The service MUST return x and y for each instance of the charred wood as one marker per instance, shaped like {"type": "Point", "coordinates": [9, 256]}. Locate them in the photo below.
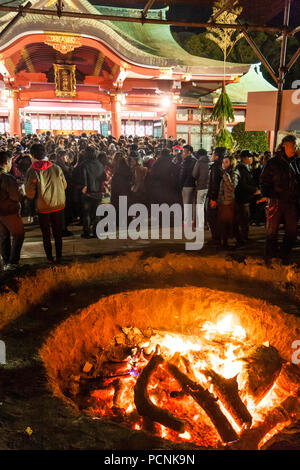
{"type": "Point", "coordinates": [289, 379]}
{"type": "Point", "coordinates": [250, 438]}
{"type": "Point", "coordinates": [208, 402]}
{"type": "Point", "coordinates": [228, 393]}
{"type": "Point", "coordinates": [144, 405]}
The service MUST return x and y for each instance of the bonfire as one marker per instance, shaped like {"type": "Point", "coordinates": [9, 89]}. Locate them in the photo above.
{"type": "Point", "coordinates": [212, 388]}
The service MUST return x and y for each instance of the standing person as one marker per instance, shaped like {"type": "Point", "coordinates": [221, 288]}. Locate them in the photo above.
{"type": "Point", "coordinates": [62, 162]}
{"type": "Point", "coordinates": [215, 176]}
{"type": "Point", "coordinates": [187, 182]}
{"type": "Point", "coordinates": [226, 197]}
{"type": "Point", "coordinates": [162, 181]}
{"type": "Point", "coordinates": [120, 181]}
{"type": "Point", "coordinates": [45, 181]}
{"type": "Point", "coordinates": [244, 194]}
{"type": "Point", "coordinates": [201, 175]}
{"type": "Point", "coordinates": [107, 164]}
{"type": "Point", "coordinates": [11, 224]}
{"type": "Point", "coordinates": [279, 182]}
{"type": "Point", "coordinates": [93, 175]}
{"type": "Point", "coordinates": [139, 173]}
{"type": "Point", "coordinates": [23, 162]}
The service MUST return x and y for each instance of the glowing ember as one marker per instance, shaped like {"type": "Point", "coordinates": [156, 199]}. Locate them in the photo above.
{"type": "Point", "coordinates": [185, 435]}
{"type": "Point", "coordinates": [208, 365]}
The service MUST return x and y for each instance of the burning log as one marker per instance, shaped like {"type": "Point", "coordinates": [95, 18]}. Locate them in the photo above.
{"type": "Point", "coordinates": [281, 415]}
{"type": "Point", "coordinates": [113, 369]}
{"type": "Point", "coordinates": [118, 387]}
{"type": "Point", "coordinates": [178, 394]}
{"type": "Point", "coordinates": [262, 367]}
{"type": "Point", "coordinates": [208, 402]}
{"type": "Point", "coordinates": [144, 405]}
{"type": "Point", "coordinates": [228, 393]}
{"type": "Point", "coordinates": [289, 379]}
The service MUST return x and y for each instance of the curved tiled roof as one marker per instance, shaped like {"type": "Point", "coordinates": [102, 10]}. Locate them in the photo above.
{"type": "Point", "coordinates": [146, 45]}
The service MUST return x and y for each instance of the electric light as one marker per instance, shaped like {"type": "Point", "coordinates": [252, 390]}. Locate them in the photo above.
{"type": "Point", "coordinates": [166, 102]}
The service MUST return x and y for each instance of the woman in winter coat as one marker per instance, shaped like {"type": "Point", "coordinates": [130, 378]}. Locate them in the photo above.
{"type": "Point", "coordinates": [226, 197]}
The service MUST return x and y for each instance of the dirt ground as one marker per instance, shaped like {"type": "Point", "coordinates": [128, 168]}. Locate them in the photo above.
{"type": "Point", "coordinates": [26, 400]}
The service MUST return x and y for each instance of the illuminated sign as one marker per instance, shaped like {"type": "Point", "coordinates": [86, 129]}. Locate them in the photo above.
{"type": "Point", "coordinates": [63, 43]}
{"type": "Point", "coordinates": [65, 80]}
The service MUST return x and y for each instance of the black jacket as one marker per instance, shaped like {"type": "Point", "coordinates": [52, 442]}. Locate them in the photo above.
{"type": "Point", "coordinates": [280, 178]}
{"type": "Point", "coordinates": [246, 188]}
{"type": "Point", "coordinates": [10, 195]}
{"type": "Point", "coordinates": [120, 184]}
{"type": "Point", "coordinates": [162, 181]}
{"type": "Point", "coordinates": [215, 177]}
{"type": "Point", "coordinates": [186, 179]}
{"type": "Point", "coordinates": [201, 172]}
{"type": "Point", "coordinates": [93, 175]}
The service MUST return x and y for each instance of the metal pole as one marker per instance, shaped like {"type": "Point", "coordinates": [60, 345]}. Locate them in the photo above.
{"type": "Point", "coordinates": [15, 19]}
{"type": "Point", "coordinates": [282, 68]}
{"type": "Point", "coordinates": [293, 60]}
{"type": "Point", "coordinates": [261, 56]}
{"type": "Point", "coordinates": [147, 8]}
{"type": "Point", "coordinates": [94, 16]}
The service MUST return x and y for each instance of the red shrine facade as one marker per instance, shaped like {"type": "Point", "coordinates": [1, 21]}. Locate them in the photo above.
{"type": "Point", "coordinates": [73, 75]}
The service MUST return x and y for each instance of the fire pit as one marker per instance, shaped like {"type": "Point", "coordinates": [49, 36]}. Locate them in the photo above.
{"type": "Point", "coordinates": [186, 363]}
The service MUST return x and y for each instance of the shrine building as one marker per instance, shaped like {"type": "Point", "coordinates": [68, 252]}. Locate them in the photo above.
{"type": "Point", "coordinates": [74, 75]}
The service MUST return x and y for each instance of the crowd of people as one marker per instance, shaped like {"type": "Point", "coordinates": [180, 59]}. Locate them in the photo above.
{"type": "Point", "coordinates": [61, 181]}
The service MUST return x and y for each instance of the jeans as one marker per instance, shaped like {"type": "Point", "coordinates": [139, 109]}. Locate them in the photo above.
{"type": "Point", "coordinates": [47, 221]}
{"type": "Point", "coordinates": [11, 226]}
{"type": "Point", "coordinates": [277, 212]}
{"type": "Point", "coordinates": [89, 208]}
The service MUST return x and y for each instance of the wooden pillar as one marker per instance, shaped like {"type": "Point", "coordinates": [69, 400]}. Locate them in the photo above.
{"type": "Point", "coordinates": [116, 128]}
{"type": "Point", "coordinates": [14, 115]}
{"type": "Point", "coordinates": [171, 127]}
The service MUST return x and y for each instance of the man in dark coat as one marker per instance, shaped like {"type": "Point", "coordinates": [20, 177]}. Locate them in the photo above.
{"type": "Point", "coordinates": [244, 193]}
{"type": "Point", "coordinates": [93, 175]}
{"type": "Point", "coordinates": [162, 181]}
{"type": "Point", "coordinates": [279, 182]}
{"type": "Point", "coordinates": [215, 177]}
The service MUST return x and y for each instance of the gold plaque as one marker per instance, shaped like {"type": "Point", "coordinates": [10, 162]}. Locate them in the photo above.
{"type": "Point", "coordinates": [65, 80]}
{"type": "Point", "coordinates": [63, 43]}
